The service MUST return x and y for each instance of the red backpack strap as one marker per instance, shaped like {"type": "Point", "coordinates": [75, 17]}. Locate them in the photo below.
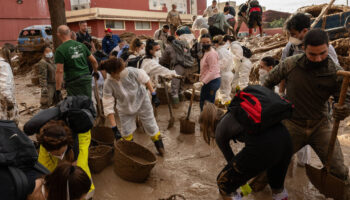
{"type": "Point", "coordinates": [251, 105]}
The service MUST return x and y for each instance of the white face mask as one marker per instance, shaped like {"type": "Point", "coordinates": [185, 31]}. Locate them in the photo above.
{"type": "Point", "coordinates": [49, 55]}
{"type": "Point", "coordinates": [123, 73]}
{"type": "Point", "coordinates": [158, 54]}
{"type": "Point", "coordinates": [295, 41]}
{"type": "Point", "coordinates": [60, 157]}
{"type": "Point", "coordinates": [142, 52]}
{"type": "Point", "coordinates": [262, 75]}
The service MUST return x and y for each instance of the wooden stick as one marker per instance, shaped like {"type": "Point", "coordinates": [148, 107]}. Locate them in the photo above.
{"type": "Point", "coordinates": [323, 12]}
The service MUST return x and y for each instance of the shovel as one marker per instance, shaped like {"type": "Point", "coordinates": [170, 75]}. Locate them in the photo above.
{"type": "Point", "coordinates": [187, 126]}
{"type": "Point", "coordinates": [100, 133]}
{"type": "Point", "coordinates": [172, 119]}
{"type": "Point", "coordinates": [322, 179]}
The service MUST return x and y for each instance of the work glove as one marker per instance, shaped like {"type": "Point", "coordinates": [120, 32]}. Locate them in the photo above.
{"type": "Point", "coordinates": [116, 132]}
{"type": "Point", "coordinates": [57, 97]}
{"type": "Point", "coordinates": [198, 85]}
{"type": "Point", "coordinates": [155, 99]}
{"type": "Point", "coordinates": [96, 75]}
{"type": "Point", "coordinates": [340, 112]}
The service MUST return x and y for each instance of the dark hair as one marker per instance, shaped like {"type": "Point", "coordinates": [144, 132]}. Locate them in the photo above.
{"type": "Point", "coordinates": [226, 9]}
{"type": "Point", "coordinates": [170, 38]}
{"type": "Point", "coordinates": [166, 26]}
{"type": "Point", "coordinates": [67, 179]}
{"type": "Point", "coordinates": [316, 37]}
{"type": "Point", "coordinates": [135, 43]}
{"type": "Point", "coordinates": [88, 45]}
{"type": "Point", "coordinates": [207, 35]}
{"type": "Point", "coordinates": [213, 1]}
{"type": "Point", "coordinates": [82, 22]}
{"type": "Point", "coordinates": [54, 135]}
{"type": "Point", "coordinates": [298, 22]}
{"type": "Point", "coordinates": [150, 43]}
{"type": "Point", "coordinates": [227, 3]}
{"type": "Point", "coordinates": [270, 61]}
{"type": "Point", "coordinates": [247, 52]}
{"type": "Point", "coordinates": [229, 38]}
{"type": "Point", "coordinates": [112, 65]}
{"type": "Point", "coordinates": [45, 47]}
{"type": "Point", "coordinates": [114, 53]}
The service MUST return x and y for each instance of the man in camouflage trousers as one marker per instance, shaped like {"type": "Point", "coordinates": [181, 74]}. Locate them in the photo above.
{"type": "Point", "coordinates": [311, 79]}
{"type": "Point", "coordinates": [47, 78]}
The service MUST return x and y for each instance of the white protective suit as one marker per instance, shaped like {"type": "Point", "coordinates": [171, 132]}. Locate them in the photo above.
{"type": "Point", "coordinates": [154, 70]}
{"type": "Point", "coordinates": [199, 23]}
{"type": "Point", "coordinates": [226, 67]}
{"type": "Point", "coordinates": [132, 100]}
{"type": "Point", "coordinates": [242, 66]}
{"type": "Point", "coordinates": [7, 93]}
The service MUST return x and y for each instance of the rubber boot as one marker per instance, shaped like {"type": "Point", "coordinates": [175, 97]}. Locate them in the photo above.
{"type": "Point", "coordinates": [261, 31]}
{"type": "Point", "coordinates": [158, 142]}
{"type": "Point", "coordinates": [250, 32]}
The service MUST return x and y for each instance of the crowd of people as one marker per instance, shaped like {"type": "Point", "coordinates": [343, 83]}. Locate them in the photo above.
{"type": "Point", "coordinates": [126, 77]}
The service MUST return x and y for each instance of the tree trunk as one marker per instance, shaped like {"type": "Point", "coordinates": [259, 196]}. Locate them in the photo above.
{"type": "Point", "coordinates": [58, 17]}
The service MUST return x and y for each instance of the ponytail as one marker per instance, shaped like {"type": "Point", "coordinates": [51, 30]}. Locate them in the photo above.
{"type": "Point", "coordinates": [67, 182]}
{"type": "Point", "coordinates": [150, 43]}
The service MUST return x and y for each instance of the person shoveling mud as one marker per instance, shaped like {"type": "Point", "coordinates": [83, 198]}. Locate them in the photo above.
{"type": "Point", "coordinates": [268, 145]}
{"type": "Point", "coordinates": [311, 80]}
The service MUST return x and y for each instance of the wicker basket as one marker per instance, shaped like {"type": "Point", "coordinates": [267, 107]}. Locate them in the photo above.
{"type": "Point", "coordinates": [102, 136]}
{"type": "Point", "coordinates": [99, 157]}
{"type": "Point", "coordinates": [133, 162]}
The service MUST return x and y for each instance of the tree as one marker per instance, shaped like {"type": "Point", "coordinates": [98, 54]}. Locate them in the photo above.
{"type": "Point", "coordinates": [58, 17]}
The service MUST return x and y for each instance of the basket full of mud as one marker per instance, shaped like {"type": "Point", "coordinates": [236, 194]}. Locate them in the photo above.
{"type": "Point", "coordinates": [102, 135]}
{"type": "Point", "coordinates": [99, 157]}
{"type": "Point", "coordinates": [133, 162]}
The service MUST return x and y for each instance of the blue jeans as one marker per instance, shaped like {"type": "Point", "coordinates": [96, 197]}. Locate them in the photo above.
{"type": "Point", "coordinates": [208, 92]}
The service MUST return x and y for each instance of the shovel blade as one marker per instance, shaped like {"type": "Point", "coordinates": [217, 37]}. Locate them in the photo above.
{"type": "Point", "coordinates": [171, 122]}
{"type": "Point", "coordinates": [327, 184]}
{"type": "Point", "coordinates": [187, 126]}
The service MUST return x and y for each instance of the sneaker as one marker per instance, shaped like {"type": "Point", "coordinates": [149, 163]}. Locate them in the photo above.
{"type": "Point", "coordinates": [281, 196]}
{"type": "Point", "coordinates": [160, 147]}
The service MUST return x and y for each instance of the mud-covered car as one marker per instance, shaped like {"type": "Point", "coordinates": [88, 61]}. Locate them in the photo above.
{"type": "Point", "coordinates": [34, 38]}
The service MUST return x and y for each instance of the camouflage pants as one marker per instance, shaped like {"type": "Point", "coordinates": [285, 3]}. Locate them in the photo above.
{"type": "Point", "coordinates": [47, 95]}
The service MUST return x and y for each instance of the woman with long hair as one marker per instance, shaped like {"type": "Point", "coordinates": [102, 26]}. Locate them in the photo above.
{"type": "Point", "coordinates": [210, 78]}
{"type": "Point", "coordinates": [66, 182]}
{"type": "Point", "coordinates": [8, 106]}
{"type": "Point", "coordinates": [265, 66]}
{"type": "Point", "coordinates": [268, 150]}
{"type": "Point", "coordinates": [126, 87]}
{"type": "Point", "coordinates": [59, 144]}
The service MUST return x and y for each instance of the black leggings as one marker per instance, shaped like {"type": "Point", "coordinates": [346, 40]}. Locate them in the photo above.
{"type": "Point", "coordinates": [269, 151]}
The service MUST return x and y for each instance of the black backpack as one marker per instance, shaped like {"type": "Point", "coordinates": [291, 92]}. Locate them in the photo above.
{"type": "Point", "coordinates": [135, 62]}
{"type": "Point", "coordinates": [17, 153]}
{"type": "Point", "coordinates": [258, 108]}
{"type": "Point", "coordinates": [247, 52]}
{"type": "Point", "coordinates": [125, 54]}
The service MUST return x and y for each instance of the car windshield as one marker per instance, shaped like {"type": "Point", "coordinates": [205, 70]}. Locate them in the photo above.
{"type": "Point", "coordinates": [30, 33]}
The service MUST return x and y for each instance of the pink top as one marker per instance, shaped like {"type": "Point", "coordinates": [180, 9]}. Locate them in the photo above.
{"type": "Point", "coordinates": [210, 69]}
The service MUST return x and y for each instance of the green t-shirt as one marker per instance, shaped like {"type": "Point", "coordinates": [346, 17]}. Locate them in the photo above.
{"type": "Point", "coordinates": [74, 57]}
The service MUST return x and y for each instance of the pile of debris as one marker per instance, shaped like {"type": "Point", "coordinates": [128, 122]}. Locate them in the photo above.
{"type": "Point", "coordinates": [128, 37]}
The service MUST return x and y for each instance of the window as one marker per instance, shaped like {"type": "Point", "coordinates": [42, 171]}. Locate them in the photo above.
{"type": "Point", "coordinates": [30, 33]}
{"type": "Point", "coordinates": [118, 25]}
{"type": "Point", "coordinates": [48, 31]}
{"type": "Point", "coordinates": [143, 25]}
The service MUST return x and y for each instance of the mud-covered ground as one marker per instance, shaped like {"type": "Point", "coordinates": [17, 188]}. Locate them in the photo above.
{"type": "Point", "coordinates": [189, 167]}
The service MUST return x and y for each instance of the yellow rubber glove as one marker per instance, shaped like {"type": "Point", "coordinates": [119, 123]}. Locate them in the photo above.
{"type": "Point", "coordinates": [246, 189]}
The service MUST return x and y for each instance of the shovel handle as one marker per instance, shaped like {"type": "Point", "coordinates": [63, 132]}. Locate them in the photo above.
{"type": "Point", "coordinates": [190, 107]}
{"type": "Point", "coordinates": [98, 100]}
{"type": "Point", "coordinates": [167, 96]}
{"type": "Point", "coordinates": [343, 91]}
